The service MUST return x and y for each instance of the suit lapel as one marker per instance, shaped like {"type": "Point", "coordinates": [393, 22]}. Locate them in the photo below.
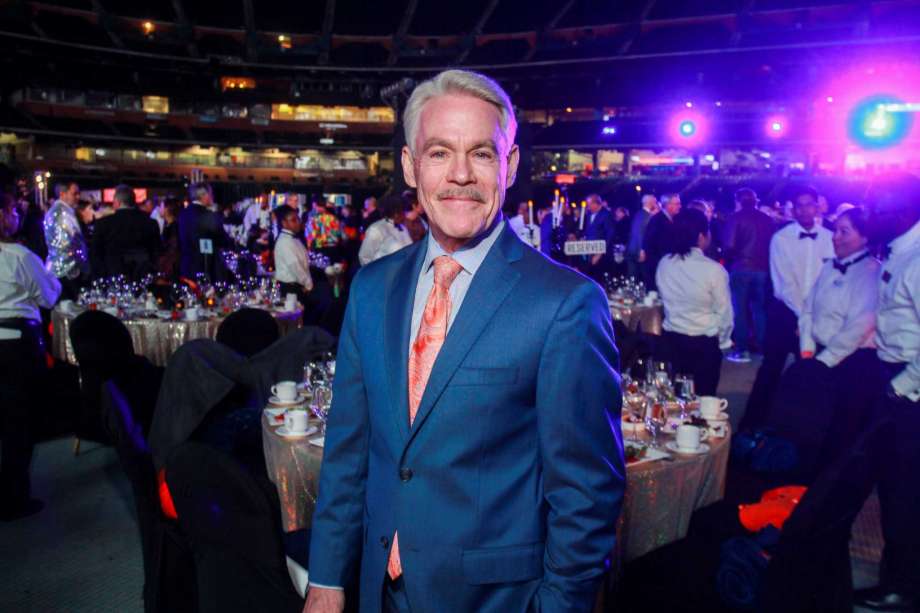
{"type": "Point", "coordinates": [490, 287]}
{"type": "Point", "coordinates": [398, 320]}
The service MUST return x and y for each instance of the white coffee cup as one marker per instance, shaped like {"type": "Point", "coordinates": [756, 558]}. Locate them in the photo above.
{"type": "Point", "coordinates": [191, 314]}
{"type": "Point", "coordinates": [689, 437]}
{"type": "Point", "coordinates": [286, 391]}
{"type": "Point", "coordinates": [296, 420]}
{"type": "Point", "coordinates": [712, 406]}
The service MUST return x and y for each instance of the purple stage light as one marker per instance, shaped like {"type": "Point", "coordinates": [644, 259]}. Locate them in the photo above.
{"type": "Point", "coordinates": [688, 128]}
{"type": "Point", "coordinates": [776, 127]}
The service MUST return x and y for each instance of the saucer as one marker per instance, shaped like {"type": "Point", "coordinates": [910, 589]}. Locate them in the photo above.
{"type": "Point", "coordinates": [283, 431]}
{"type": "Point", "coordinates": [274, 411]}
{"type": "Point", "coordinates": [277, 402]}
{"type": "Point", "coordinates": [672, 446]}
{"type": "Point", "coordinates": [723, 416]}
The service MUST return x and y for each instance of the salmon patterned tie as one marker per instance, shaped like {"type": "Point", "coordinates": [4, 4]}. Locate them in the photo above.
{"type": "Point", "coordinates": [431, 334]}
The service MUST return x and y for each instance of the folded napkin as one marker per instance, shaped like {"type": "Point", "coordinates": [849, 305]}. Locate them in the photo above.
{"type": "Point", "coordinates": [319, 441]}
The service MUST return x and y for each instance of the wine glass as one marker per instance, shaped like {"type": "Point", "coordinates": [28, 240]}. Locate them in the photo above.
{"type": "Point", "coordinates": [655, 419]}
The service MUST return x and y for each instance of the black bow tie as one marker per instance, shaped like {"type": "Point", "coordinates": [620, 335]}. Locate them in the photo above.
{"type": "Point", "coordinates": [843, 267]}
{"type": "Point", "coordinates": [811, 235]}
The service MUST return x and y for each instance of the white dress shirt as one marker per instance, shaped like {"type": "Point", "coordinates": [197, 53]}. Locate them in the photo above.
{"type": "Point", "coordinates": [291, 262]}
{"type": "Point", "coordinates": [382, 238]}
{"type": "Point", "coordinates": [898, 326]}
{"type": "Point", "coordinates": [697, 302]}
{"type": "Point", "coordinates": [528, 233]}
{"type": "Point", "coordinates": [839, 312]}
{"type": "Point", "coordinates": [25, 286]}
{"type": "Point", "coordinates": [795, 262]}
{"type": "Point", "coordinates": [255, 216]}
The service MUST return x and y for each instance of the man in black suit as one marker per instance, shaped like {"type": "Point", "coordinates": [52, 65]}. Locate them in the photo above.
{"type": "Point", "coordinates": [126, 242]}
{"type": "Point", "coordinates": [600, 227]}
{"type": "Point", "coordinates": [197, 222]}
{"type": "Point", "coordinates": [658, 235]}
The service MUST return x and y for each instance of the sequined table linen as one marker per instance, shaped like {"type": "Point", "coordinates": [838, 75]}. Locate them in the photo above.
{"type": "Point", "coordinates": [293, 466]}
{"type": "Point", "coordinates": [156, 339]}
{"type": "Point", "coordinates": [660, 496]}
{"type": "Point", "coordinates": [639, 318]}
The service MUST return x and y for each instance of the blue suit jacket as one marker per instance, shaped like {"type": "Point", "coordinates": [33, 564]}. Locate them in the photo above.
{"type": "Point", "coordinates": [507, 487]}
{"type": "Point", "coordinates": [603, 228]}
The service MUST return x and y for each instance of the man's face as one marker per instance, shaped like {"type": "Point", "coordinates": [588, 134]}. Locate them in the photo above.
{"type": "Point", "coordinates": [206, 198]}
{"type": "Point", "coordinates": [461, 166]}
{"type": "Point", "coordinates": [594, 205]}
{"type": "Point", "coordinates": [805, 209]}
{"type": "Point", "coordinates": [672, 206]}
{"type": "Point", "coordinates": [71, 194]}
{"type": "Point", "coordinates": [292, 223]}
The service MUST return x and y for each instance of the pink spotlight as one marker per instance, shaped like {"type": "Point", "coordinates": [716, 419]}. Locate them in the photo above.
{"type": "Point", "coordinates": [776, 127]}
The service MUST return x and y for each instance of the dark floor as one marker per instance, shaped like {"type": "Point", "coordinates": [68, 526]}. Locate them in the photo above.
{"type": "Point", "coordinates": [82, 553]}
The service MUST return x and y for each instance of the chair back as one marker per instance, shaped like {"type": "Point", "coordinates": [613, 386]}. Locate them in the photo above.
{"type": "Point", "coordinates": [102, 345]}
{"type": "Point", "coordinates": [169, 583]}
{"type": "Point", "coordinates": [234, 523]}
{"type": "Point", "coordinates": [248, 331]}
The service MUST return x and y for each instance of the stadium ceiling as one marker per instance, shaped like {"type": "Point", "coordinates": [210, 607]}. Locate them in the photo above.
{"type": "Point", "coordinates": [547, 49]}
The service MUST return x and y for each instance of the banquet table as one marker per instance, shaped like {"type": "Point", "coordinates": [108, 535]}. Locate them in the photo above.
{"type": "Point", "coordinates": [156, 339]}
{"type": "Point", "coordinates": [660, 495]}
{"type": "Point", "coordinates": [638, 317]}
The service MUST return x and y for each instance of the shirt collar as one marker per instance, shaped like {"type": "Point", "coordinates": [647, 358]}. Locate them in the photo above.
{"type": "Point", "coordinates": [471, 255]}
{"type": "Point", "coordinates": [907, 240]}
{"type": "Point", "coordinates": [801, 228]}
{"type": "Point", "coordinates": [288, 232]}
{"type": "Point", "coordinates": [854, 257]}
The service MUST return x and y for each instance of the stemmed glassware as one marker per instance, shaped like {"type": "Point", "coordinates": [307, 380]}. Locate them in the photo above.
{"type": "Point", "coordinates": [655, 418]}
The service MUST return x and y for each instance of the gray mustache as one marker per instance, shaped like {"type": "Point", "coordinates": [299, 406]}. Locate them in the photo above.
{"type": "Point", "coordinates": [468, 194]}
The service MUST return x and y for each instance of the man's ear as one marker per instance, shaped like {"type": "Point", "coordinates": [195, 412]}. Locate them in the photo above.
{"type": "Point", "coordinates": [514, 157]}
{"type": "Point", "coordinates": [408, 167]}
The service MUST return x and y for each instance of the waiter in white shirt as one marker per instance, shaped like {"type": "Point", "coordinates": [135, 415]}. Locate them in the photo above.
{"type": "Point", "coordinates": [797, 252]}
{"type": "Point", "coordinates": [25, 286]}
{"type": "Point", "coordinates": [896, 204]}
{"type": "Point", "coordinates": [387, 235]}
{"type": "Point", "coordinates": [292, 266]}
{"type": "Point", "coordinates": [837, 329]}
{"type": "Point", "coordinates": [698, 316]}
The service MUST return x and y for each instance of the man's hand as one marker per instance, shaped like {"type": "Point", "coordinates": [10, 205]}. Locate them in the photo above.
{"type": "Point", "coordinates": [324, 600]}
{"type": "Point", "coordinates": [641, 255]}
{"type": "Point", "coordinates": [595, 259]}
{"type": "Point", "coordinates": [807, 355]}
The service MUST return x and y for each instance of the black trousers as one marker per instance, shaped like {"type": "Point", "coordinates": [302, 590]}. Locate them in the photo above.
{"type": "Point", "coordinates": [698, 356]}
{"type": "Point", "coordinates": [781, 340]}
{"type": "Point", "coordinates": [315, 302]}
{"type": "Point", "coordinates": [21, 369]}
{"type": "Point", "coordinates": [898, 490]}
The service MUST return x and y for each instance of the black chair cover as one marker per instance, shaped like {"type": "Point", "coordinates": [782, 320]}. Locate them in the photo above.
{"type": "Point", "coordinates": [169, 570]}
{"type": "Point", "coordinates": [248, 331]}
{"type": "Point", "coordinates": [234, 524]}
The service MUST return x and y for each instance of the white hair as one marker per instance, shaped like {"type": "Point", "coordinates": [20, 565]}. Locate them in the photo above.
{"type": "Point", "coordinates": [459, 82]}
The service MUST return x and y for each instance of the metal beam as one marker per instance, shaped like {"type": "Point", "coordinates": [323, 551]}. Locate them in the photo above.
{"type": "Point", "coordinates": [550, 25]}
{"type": "Point", "coordinates": [106, 24]}
{"type": "Point", "coordinates": [476, 31]}
{"type": "Point", "coordinates": [249, 20]}
{"type": "Point", "coordinates": [326, 35]}
{"type": "Point", "coordinates": [637, 27]}
{"type": "Point", "coordinates": [401, 32]}
{"type": "Point", "coordinates": [183, 20]}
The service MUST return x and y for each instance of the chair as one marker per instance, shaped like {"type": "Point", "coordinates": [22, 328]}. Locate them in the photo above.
{"type": "Point", "coordinates": [248, 331]}
{"type": "Point", "coordinates": [234, 524]}
{"type": "Point", "coordinates": [102, 345]}
{"type": "Point", "coordinates": [169, 570]}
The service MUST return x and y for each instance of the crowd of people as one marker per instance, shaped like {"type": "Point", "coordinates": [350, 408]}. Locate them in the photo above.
{"type": "Point", "coordinates": [839, 294]}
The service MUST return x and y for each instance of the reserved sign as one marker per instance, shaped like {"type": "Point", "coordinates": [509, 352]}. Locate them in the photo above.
{"type": "Point", "coordinates": [585, 247]}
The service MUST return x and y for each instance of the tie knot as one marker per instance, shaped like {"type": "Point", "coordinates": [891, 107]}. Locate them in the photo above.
{"type": "Point", "coordinates": [446, 270]}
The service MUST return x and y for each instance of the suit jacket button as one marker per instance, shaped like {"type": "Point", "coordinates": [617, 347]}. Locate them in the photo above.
{"type": "Point", "coordinates": [405, 474]}
{"type": "Point", "coordinates": [385, 542]}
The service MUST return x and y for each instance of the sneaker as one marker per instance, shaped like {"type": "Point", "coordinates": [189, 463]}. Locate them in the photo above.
{"type": "Point", "coordinates": [740, 357]}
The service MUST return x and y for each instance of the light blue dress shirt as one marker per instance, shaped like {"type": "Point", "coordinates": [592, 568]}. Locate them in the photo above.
{"type": "Point", "coordinates": [470, 257]}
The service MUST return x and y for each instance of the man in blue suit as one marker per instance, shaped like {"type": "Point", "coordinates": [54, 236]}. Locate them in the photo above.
{"type": "Point", "coordinates": [600, 227]}
{"type": "Point", "coordinates": [473, 455]}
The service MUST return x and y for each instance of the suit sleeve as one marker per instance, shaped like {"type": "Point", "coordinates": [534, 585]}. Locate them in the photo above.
{"type": "Point", "coordinates": [338, 522]}
{"type": "Point", "coordinates": [581, 446]}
